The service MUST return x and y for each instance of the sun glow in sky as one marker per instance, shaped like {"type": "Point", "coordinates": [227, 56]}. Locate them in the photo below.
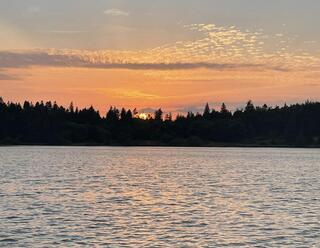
{"type": "Point", "coordinates": [143, 116]}
{"type": "Point", "coordinates": [171, 54]}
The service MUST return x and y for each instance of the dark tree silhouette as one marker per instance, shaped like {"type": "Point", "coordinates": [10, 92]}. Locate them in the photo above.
{"type": "Point", "coordinates": [129, 115]}
{"type": "Point", "coordinates": [123, 114]}
{"type": "Point", "coordinates": [224, 109]}
{"type": "Point", "coordinates": [206, 112]}
{"type": "Point", "coordinates": [113, 114]}
{"type": "Point", "coordinates": [158, 115]}
{"type": "Point", "coordinates": [71, 108]}
{"type": "Point", "coordinates": [50, 124]}
{"type": "Point", "coordinates": [249, 107]}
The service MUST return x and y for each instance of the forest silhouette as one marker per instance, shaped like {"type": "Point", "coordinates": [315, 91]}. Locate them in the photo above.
{"type": "Point", "coordinates": [48, 123]}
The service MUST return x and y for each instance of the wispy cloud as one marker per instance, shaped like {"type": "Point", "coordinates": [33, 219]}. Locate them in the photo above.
{"type": "Point", "coordinates": [217, 48]}
{"type": "Point", "coordinates": [8, 77]}
{"type": "Point", "coordinates": [64, 58]}
{"type": "Point", "coordinates": [147, 110]}
{"type": "Point", "coordinates": [134, 94]}
{"type": "Point", "coordinates": [116, 12]}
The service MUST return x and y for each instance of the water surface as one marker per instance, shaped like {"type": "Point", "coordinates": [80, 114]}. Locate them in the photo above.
{"type": "Point", "coordinates": [159, 197]}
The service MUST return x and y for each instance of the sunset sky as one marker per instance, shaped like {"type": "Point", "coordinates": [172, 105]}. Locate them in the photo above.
{"type": "Point", "coordinates": [172, 54]}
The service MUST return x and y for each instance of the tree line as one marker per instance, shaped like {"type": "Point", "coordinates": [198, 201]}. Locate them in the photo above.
{"type": "Point", "coordinates": [47, 123]}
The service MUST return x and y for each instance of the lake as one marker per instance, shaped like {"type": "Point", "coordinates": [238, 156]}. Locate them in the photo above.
{"type": "Point", "coordinates": [159, 197]}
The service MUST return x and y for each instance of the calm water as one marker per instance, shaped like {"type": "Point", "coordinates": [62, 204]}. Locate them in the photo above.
{"type": "Point", "coordinates": [159, 197]}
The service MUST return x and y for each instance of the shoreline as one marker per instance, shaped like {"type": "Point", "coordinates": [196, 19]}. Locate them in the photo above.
{"type": "Point", "coordinates": [166, 146]}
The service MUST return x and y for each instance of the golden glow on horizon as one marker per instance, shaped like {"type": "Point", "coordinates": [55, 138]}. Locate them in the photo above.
{"type": "Point", "coordinates": [222, 64]}
{"type": "Point", "coordinates": [143, 116]}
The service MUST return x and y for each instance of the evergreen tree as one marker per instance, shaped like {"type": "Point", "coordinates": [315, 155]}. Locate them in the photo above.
{"type": "Point", "coordinates": [250, 107]}
{"type": "Point", "coordinates": [47, 123]}
{"type": "Point", "coordinates": [206, 112]}
{"type": "Point", "coordinates": [71, 108]}
{"type": "Point", "coordinates": [224, 109]}
{"type": "Point", "coordinates": [158, 115]}
{"type": "Point", "coordinates": [112, 114]}
{"type": "Point", "coordinates": [123, 114]}
{"type": "Point", "coordinates": [129, 115]}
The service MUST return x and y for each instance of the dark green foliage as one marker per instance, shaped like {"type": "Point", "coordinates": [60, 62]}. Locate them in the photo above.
{"type": "Point", "coordinates": [51, 124]}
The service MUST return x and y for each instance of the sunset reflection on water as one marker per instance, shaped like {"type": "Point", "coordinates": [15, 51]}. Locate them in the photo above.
{"type": "Point", "coordinates": [155, 197]}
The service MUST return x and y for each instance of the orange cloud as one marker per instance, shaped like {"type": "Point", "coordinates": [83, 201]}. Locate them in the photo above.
{"type": "Point", "coordinates": [217, 48]}
{"type": "Point", "coordinates": [221, 64]}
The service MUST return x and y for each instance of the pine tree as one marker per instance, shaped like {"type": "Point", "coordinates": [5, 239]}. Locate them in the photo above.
{"type": "Point", "coordinates": [158, 115]}
{"type": "Point", "coordinates": [129, 115]}
{"type": "Point", "coordinates": [224, 109]}
{"type": "Point", "coordinates": [250, 107]}
{"type": "Point", "coordinates": [206, 112]}
{"type": "Point", "coordinates": [123, 114]}
{"type": "Point", "coordinates": [71, 108]}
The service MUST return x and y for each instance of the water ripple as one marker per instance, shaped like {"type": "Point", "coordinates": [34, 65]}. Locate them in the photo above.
{"type": "Point", "coordinates": [159, 197]}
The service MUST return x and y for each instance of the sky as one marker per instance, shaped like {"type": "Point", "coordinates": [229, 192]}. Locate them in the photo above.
{"type": "Point", "coordinates": [173, 54]}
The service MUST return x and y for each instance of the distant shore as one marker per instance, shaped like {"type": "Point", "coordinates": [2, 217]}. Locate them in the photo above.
{"type": "Point", "coordinates": [47, 123]}
{"type": "Point", "coordinates": [148, 144]}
